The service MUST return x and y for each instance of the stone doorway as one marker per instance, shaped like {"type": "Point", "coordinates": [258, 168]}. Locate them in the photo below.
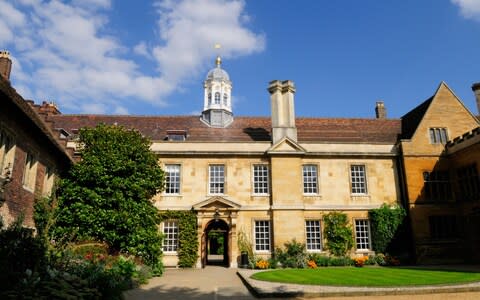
{"type": "Point", "coordinates": [216, 238]}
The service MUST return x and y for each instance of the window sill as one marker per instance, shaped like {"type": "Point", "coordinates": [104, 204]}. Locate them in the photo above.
{"type": "Point", "coordinates": [170, 253]}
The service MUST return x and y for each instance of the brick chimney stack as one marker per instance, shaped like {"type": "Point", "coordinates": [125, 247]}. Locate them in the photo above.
{"type": "Point", "coordinates": [283, 111]}
{"type": "Point", "coordinates": [476, 90]}
{"type": "Point", "coordinates": [5, 64]}
{"type": "Point", "coordinates": [49, 108]}
{"type": "Point", "coordinates": [380, 110]}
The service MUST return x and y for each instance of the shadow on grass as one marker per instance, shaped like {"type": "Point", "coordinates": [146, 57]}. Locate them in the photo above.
{"type": "Point", "coordinates": [443, 268]}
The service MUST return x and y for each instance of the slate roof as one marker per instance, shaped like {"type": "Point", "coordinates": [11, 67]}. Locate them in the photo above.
{"type": "Point", "coordinates": [412, 119]}
{"type": "Point", "coordinates": [243, 129]}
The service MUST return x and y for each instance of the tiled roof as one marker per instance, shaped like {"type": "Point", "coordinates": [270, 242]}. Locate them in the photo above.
{"type": "Point", "coordinates": [10, 95]}
{"type": "Point", "coordinates": [243, 129]}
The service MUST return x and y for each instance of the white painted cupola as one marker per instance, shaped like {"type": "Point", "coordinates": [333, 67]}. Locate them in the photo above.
{"type": "Point", "coordinates": [217, 107]}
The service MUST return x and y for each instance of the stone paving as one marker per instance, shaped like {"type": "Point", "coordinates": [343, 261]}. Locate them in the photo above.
{"type": "Point", "coordinates": [215, 282]}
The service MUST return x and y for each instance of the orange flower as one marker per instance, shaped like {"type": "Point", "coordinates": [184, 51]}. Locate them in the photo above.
{"type": "Point", "coordinates": [311, 264]}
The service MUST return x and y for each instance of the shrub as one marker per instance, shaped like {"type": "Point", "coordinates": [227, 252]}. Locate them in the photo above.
{"type": "Point", "coordinates": [341, 261]}
{"type": "Point", "coordinates": [385, 222]}
{"type": "Point", "coordinates": [338, 233]}
{"type": "Point", "coordinates": [294, 255]}
{"type": "Point", "coordinates": [320, 260]}
{"type": "Point", "coordinates": [20, 251]}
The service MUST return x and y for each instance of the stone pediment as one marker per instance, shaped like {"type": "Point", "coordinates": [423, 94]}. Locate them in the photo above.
{"type": "Point", "coordinates": [216, 202]}
{"type": "Point", "coordinates": [286, 146]}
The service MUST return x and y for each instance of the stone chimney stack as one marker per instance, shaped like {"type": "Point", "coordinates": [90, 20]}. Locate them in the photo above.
{"type": "Point", "coordinates": [48, 108]}
{"type": "Point", "coordinates": [476, 90]}
{"type": "Point", "coordinates": [380, 110]}
{"type": "Point", "coordinates": [283, 112]}
{"type": "Point", "coordinates": [5, 64]}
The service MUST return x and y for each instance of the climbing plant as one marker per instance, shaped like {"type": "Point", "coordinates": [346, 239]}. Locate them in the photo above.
{"type": "Point", "coordinates": [338, 233]}
{"type": "Point", "coordinates": [187, 236]}
{"type": "Point", "coordinates": [385, 221]}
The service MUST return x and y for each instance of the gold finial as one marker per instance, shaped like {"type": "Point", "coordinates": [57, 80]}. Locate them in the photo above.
{"type": "Point", "coordinates": [218, 60]}
{"type": "Point", "coordinates": [4, 54]}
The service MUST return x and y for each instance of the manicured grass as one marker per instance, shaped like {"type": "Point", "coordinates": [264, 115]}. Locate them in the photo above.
{"type": "Point", "coordinates": [368, 276]}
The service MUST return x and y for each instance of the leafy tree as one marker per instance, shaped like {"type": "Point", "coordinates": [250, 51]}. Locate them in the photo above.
{"type": "Point", "coordinates": [338, 233]}
{"type": "Point", "coordinates": [106, 196]}
{"type": "Point", "coordinates": [385, 222]}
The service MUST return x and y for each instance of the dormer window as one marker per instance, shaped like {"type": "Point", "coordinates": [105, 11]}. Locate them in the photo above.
{"type": "Point", "coordinates": [176, 135]}
{"type": "Point", "coordinates": [217, 98]}
{"type": "Point", "coordinates": [63, 133]}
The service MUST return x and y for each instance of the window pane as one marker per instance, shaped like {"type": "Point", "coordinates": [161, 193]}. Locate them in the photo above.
{"type": "Point", "coordinates": [260, 179]}
{"type": "Point", "coordinates": [172, 179]}
{"type": "Point", "coordinates": [358, 179]}
{"type": "Point", "coordinates": [170, 239]}
{"type": "Point", "coordinates": [310, 182]}
{"type": "Point", "coordinates": [217, 179]}
{"type": "Point", "coordinates": [362, 234]}
{"type": "Point", "coordinates": [314, 235]}
{"type": "Point", "coordinates": [262, 235]}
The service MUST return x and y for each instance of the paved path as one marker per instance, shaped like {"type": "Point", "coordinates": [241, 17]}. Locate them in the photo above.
{"type": "Point", "coordinates": [213, 282]}
{"type": "Point", "coordinates": [221, 283]}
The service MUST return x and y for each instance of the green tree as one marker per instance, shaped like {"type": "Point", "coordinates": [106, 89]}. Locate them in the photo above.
{"type": "Point", "coordinates": [338, 233]}
{"type": "Point", "coordinates": [385, 223]}
{"type": "Point", "coordinates": [107, 195]}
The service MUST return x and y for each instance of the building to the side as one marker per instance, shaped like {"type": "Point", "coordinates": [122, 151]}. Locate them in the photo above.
{"type": "Point", "coordinates": [30, 154]}
{"type": "Point", "coordinates": [273, 178]}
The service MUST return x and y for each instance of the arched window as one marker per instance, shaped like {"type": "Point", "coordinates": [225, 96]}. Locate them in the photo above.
{"type": "Point", "coordinates": [217, 98]}
{"type": "Point", "coordinates": [225, 99]}
{"type": "Point", "coordinates": [209, 98]}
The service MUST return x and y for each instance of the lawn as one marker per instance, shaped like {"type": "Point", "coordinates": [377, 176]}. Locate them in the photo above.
{"type": "Point", "coordinates": [368, 276]}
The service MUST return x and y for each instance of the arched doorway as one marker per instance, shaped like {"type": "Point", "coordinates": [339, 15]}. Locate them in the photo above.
{"type": "Point", "coordinates": [216, 238]}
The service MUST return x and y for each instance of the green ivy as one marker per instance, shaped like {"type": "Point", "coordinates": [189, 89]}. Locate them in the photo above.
{"type": "Point", "coordinates": [385, 221]}
{"type": "Point", "coordinates": [187, 236]}
{"type": "Point", "coordinates": [338, 233]}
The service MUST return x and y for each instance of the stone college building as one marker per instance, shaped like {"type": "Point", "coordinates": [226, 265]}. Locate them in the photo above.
{"type": "Point", "coordinates": [273, 178]}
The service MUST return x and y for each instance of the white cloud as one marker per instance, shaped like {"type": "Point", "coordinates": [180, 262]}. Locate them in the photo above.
{"type": "Point", "coordinates": [72, 57]}
{"type": "Point", "coordinates": [469, 9]}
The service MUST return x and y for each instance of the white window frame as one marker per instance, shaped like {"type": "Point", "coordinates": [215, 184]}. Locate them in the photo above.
{"type": "Point", "coordinates": [358, 179]}
{"type": "Point", "coordinates": [313, 235]}
{"type": "Point", "coordinates": [30, 172]}
{"type": "Point", "coordinates": [262, 234]}
{"type": "Point", "coordinates": [438, 135]}
{"type": "Point", "coordinates": [362, 235]}
{"type": "Point", "coordinates": [260, 179]}
{"type": "Point", "coordinates": [170, 236]}
{"type": "Point", "coordinates": [216, 179]}
{"type": "Point", "coordinates": [217, 98]}
{"type": "Point", "coordinates": [173, 173]}
{"type": "Point", "coordinates": [310, 179]}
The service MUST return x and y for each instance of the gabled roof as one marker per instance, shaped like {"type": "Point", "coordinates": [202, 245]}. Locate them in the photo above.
{"type": "Point", "coordinates": [244, 129]}
{"type": "Point", "coordinates": [412, 119]}
{"type": "Point", "coordinates": [12, 97]}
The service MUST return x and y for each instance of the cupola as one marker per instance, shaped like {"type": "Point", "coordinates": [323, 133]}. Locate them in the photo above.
{"type": "Point", "coordinates": [217, 104]}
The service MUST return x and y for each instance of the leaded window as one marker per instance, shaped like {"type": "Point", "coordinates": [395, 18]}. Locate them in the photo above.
{"type": "Point", "coordinates": [170, 236]}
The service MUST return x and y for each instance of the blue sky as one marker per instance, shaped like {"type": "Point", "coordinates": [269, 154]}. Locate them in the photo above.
{"type": "Point", "coordinates": [151, 57]}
